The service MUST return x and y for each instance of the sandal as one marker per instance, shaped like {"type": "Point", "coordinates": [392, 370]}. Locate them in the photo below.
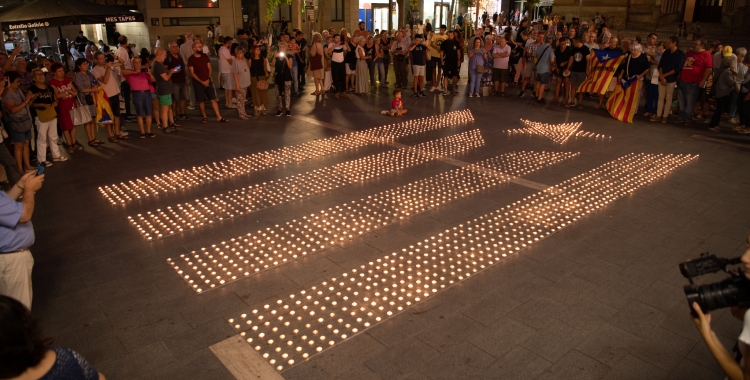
{"type": "Point", "coordinates": [150, 135]}
{"type": "Point", "coordinates": [93, 144]}
{"type": "Point", "coordinates": [77, 146]}
{"type": "Point", "coordinates": [70, 149]}
{"type": "Point", "coordinates": [263, 112]}
{"type": "Point", "coordinates": [121, 137]}
{"type": "Point", "coordinates": [143, 135]}
{"type": "Point", "coordinates": [205, 120]}
{"type": "Point", "coordinates": [113, 139]}
{"type": "Point", "coordinates": [223, 120]}
{"type": "Point", "coordinates": [176, 125]}
{"type": "Point", "coordinates": [100, 142]}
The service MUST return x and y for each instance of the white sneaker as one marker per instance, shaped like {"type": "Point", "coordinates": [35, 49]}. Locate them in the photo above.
{"type": "Point", "coordinates": [190, 107]}
{"type": "Point", "coordinates": [471, 95]}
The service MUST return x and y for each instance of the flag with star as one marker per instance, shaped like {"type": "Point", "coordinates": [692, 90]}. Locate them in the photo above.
{"type": "Point", "coordinates": [602, 70]}
{"type": "Point", "coordinates": [623, 102]}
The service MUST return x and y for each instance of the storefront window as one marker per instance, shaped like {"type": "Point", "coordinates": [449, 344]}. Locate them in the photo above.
{"type": "Point", "coordinates": [189, 21]}
{"type": "Point", "coordinates": [189, 3]}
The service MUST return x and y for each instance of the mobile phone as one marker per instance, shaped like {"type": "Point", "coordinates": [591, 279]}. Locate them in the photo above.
{"type": "Point", "coordinates": [40, 169]}
{"type": "Point", "coordinates": [281, 54]}
{"type": "Point", "coordinates": [177, 68]}
{"type": "Point", "coordinates": [144, 70]}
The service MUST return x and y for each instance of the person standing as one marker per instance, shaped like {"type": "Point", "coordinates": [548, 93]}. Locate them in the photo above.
{"type": "Point", "coordinates": [371, 51]}
{"type": "Point", "coordinates": [399, 49]}
{"type": "Point", "coordinates": [200, 72]}
{"type": "Point", "coordinates": [302, 52]}
{"type": "Point", "coordinates": [140, 84]}
{"type": "Point", "coordinates": [45, 119]}
{"type": "Point", "coordinates": [531, 46]}
{"type": "Point", "coordinates": [15, 106]}
{"type": "Point", "coordinates": [361, 71]}
{"type": "Point", "coordinates": [87, 86]}
{"type": "Point", "coordinates": [164, 89]}
{"type": "Point", "coordinates": [316, 63]}
{"type": "Point", "coordinates": [435, 60]}
{"type": "Point", "coordinates": [179, 80]}
{"type": "Point", "coordinates": [186, 50]}
{"type": "Point", "coordinates": [579, 70]}
{"type": "Point", "coordinates": [241, 77]}
{"type": "Point", "coordinates": [81, 42]}
{"type": "Point", "coordinates": [106, 74]}
{"type": "Point", "coordinates": [451, 56]}
{"type": "Point", "coordinates": [563, 60]}
{"type": "Point", "coordinates": [477, 56]}
{"type": "Point", "coordinates": [545, 58]}
{"type": "Point", "coordinates": [65, 93]}
{"type": "Point", "coordinates": [282, 62]}
{"type": "Point", "coordinates": [500, 61]}
{"type": "Point", "coordinates": [258, 72]}
{"type": "Point", "coordinates": [337, 50]}
{"type": "Point", "coordinates": [726, 79]}
{"type": "Point", "coordinates": [225, 70]}
{"type": "Point", "coordinates": [418, 59]}
{"type": "Point", "coordinates": [385, 48]}
{"type": "Point", "coordinates": [123, 56]}
{"type": "Point", "coordinates": [694, 75]}
{"type": "Point", "coordinates": [17, 234]}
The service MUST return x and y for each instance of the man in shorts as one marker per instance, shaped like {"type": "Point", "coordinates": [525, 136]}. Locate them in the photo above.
{"type": "Point", "coordinates": [451, 55]}
{"type": "Point", "coordinates": [435, 62]}
{"type": "Point", "coordinates": [200, 71]}
{"type": "Point", "coordinates": [500, 60]}
{"type": "Point", "coordinates": [579, 70]}
{"type": "Point", "coordinates": [225, 70]}
{"type": "Point", "coordinates": [164, 88]}
{"type": "Point", "coordinates": [528, 72]}
{"type": "Point", "coordinates": [179, 81]}
{"type": "Point", "coordinates": [545, 59]}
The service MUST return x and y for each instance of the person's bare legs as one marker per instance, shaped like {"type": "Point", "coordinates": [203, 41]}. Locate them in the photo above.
{"type": "Point", "coordinates": [215, 106]}
{"type": "Point", "coordinates": [140, 123]}
{"type": "Point", "coordinates": [90, 128]}
{"type": "Point", "coordinates": [202, 106]}
{"type": "Point", "coordinates": [164, 111]}
{"type": "Point", "coordinates": [228, 94]}
{"type": "Point", "coordinates": [148, 124]}
{"type": "Point", "coordinates": [26, 162]}
{"type": "Point", "coordinates": [18, 155]}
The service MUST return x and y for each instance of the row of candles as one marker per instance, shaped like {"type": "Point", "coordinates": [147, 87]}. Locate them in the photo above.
{"type": "Point", "coordinates": [243, 256]}
{"type": "Point", "coordinates": [124, 192]}
{"type": "Point", "coordinates": [558, 133]}
{"type": "Point", "coordinates": [293, 329]}
{"type": "Point", "coordinates": [182, 217]}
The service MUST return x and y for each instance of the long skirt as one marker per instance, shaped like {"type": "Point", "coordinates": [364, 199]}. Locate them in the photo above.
{"type": "Point", "coordinates": [363, 75]}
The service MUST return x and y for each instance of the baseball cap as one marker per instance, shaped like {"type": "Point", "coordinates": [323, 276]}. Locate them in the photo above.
{"type": "Point", "coordinates": [727, 51]}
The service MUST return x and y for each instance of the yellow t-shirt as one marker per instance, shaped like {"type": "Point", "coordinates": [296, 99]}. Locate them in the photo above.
{"type": "Point", "coordinates": [435, 43]}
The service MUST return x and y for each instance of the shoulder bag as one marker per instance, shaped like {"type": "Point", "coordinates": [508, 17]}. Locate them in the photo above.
{"type": "Point", "coordinates": [47, 114]}
{"type": "Point", "coordinates": [21, 120]}
{"type": "Point", "coordinates": [80, 114]}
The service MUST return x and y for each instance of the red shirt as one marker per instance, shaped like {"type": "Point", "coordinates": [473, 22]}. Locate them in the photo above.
{"type": "Point", "coordinates": [200, 66]}
{"type": "Point", "coordinates": [695, 66]}
{"type": "Point", "coordinates": [397, 103]}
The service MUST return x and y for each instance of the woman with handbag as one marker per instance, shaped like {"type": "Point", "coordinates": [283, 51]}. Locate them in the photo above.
{"type": "Point", "coordinates": [316, 63]}
{"type": "Point", "coordinates": [65, 93]}
{"type": "Point", "coordinates": [477, 57]}
{"type": "Point", "coordinates": [18, 117]}
{"type": "Point", "coordinates": [282, 63]}
{"type": "Point", "coordinates": [45, 119]}
{"type": "Point", "coordinates": [86, 85]}
{"type": "Point", "coordinates": [258, 80]}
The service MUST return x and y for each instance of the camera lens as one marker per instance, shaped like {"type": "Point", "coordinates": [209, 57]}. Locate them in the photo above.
{"type": "Point", "coordinates": [734, 291]}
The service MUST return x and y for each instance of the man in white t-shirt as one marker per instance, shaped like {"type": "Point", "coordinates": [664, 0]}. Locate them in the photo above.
{"type": "Point", "coordinates": [107, 74]}
{"type": "Point", "coordinates": [721, 354]}
{"type": "Point", "coordinates": [123, 58]}
{"type": "Point", "coordinates": [226, 62]}
{"type": "Point", "coordinates": [500, 60]}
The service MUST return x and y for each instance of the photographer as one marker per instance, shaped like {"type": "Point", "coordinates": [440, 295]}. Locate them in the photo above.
{"type": "Point", "coordinates": [702, 321]}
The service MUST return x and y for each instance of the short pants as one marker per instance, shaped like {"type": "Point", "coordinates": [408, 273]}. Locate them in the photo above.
{"type": "Point", "coordinates": [576, 78]}
{"type": "Point", "coordinates": [142, 103]}
{"type": "Point", "coordinates": [543, 78]}
{"type": "Point", "coordinates": [19, 137]}
{"type": "Point", "coordinates": [499, 75]}
{"type": "Point", "coordinates": [165, 100]}
{"type": "Point", "coordinates": [417, 70]}
{"type": "Point", "coordinates": [204, 93]}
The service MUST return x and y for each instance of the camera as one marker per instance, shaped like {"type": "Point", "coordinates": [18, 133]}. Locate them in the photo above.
{"type": "Point", "coordinates": [734, 291]}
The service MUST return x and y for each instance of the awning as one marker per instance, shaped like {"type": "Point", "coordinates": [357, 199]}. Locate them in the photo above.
{"type": "Point", "coordinates": [54, 13]}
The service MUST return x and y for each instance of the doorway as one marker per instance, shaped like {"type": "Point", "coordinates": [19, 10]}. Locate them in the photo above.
{"type": "Point", "coordinates": [380, 17]}
{"type": "Point", "coordinates": [441, 15]}
{"type": "Point", "coordinates": [708, 10]}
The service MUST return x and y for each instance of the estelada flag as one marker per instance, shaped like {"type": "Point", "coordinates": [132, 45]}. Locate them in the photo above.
{"type": "Point", "coordinates": [623, 102]}
{"type": "Point", "coordinates": [103, 110]}
{"type": "Point", "coordinates": [602, 70]}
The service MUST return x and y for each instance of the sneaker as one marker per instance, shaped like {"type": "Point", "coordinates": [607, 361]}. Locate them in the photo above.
{"type": "Point", "coordinates": [288, 113]}
{"type": "Point", "coordinates": [521, 94]}
{"type": "Point", "coordinates": [446, 93]}
{"type": "Point", "coordinates": [422, 94]}
{"type": "Point", "coordinates": [279, 113]}
{"type": "Point", "coordinates": [541, 101]}
{"type": "Point", "coordinates": [471, 95]}
{"type": "Point", "coordinates": [573, 104]}
{"type": "Point", "coordinates": [190, 107]}
{"type": "Point", "coordinates": [416, 95]}
{"type": "Point", "coordinates": [477, 95]}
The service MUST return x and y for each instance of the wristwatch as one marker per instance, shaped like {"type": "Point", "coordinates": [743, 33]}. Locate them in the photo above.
{"type": "Point", "coordinates": [18, 185]}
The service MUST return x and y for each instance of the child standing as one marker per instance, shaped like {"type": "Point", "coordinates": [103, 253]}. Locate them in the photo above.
{"type": "Point", "coordinates": [418, 62]}
{"type": "Point", "coordinates": [397, 105]}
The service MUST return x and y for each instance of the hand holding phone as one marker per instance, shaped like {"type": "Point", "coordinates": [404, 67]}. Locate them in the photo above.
{"type": "Point", "coordinates": [178, 68]}
{"type": "Point", "coordinates": [40, 169]}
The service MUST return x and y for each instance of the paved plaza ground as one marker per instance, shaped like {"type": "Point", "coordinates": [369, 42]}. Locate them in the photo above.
{"type": "Point", "coordinates": [600, 299]}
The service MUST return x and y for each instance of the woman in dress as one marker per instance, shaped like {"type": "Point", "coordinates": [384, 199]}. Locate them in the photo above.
{"type": "Point", "coordinates": [86, 85]}
{"type": "Point", "coordinates": [316, 63]}
{"type": "Point", "coordinates": [361, 70]}
{"type": "Point", "coordinates": [65, 93]}
{"type": "Point", "coordinates": [372, 55]}
{"type": "Point", "coordinates": [258, 72]}
{"type": "Point", "coordinates": [487, 75]}
{"type": "Point", "coordinates": [15, 106]}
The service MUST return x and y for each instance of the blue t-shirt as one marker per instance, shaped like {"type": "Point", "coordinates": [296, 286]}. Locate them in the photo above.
{"type": "Point", "coordinates": [13, 235]}
{"type": "Point", "coordinates": [70, 365]}
{"type": "Point", "coordinates": [544, 53]}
